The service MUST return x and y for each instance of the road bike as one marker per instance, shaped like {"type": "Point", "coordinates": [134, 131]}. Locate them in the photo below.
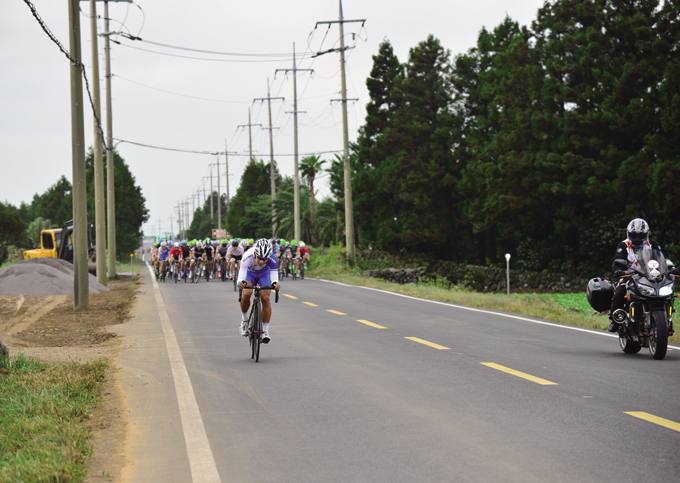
{"type": "Point", "coordinates": [293, 268]}
{"type": "Point", "coordinates": [254, 327]}
{"type": "Point", "coordinates": [223, 269]}
{"type": "Point", "coordinates": [303, 267]}
{"type": "Point", "coordinates": [196, 275]}
{"type": "Point", "coordinates": [174, 270]}
{"type": "Point", "coordinates": [237, 266]}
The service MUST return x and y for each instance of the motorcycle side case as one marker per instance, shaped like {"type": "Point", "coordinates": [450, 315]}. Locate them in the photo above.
{"type": "Point", "coordinates": [600, 293]}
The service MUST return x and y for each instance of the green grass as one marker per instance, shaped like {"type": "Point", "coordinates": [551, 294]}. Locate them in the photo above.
{"type": "Point", "coordinates": [43, 409]}
{"type": "Point", "coordinates": [126, 266]}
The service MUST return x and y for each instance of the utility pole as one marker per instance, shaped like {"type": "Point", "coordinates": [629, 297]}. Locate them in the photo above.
{"type": "Point", "coordinates": [212, 213]}
{"type": "Point", "coordinates": [349, 215]}
{"type": "Point", "coordinates": [296, 180]}
{"type": "Point", "coordinates": [272, 174]}
{"type": "Point", "coordinates": [250, 136]}
{"type": "Point", "coordinates": [226, 166]}
{"type": "Point", "coordinates": [110, 182]}
{"type": "Point", "coordinates": [99, 192]}
{"type": "Point", "coordinates": [160, 234]}
{"type": "Point", "coordinates": [81, 286]}
{"type": "Point", "coordinates": [219, 201]}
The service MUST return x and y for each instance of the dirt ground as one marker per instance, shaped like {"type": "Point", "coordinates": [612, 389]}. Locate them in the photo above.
{"type": "Point", "coordinates": [49, 329]}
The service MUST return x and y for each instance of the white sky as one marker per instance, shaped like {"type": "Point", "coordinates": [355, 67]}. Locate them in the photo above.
{"type": "Point", "coordinates": [35, 95]}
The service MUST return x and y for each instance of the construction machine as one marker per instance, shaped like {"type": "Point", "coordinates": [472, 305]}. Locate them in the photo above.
{"type": "Point", "coordinates": [58, 243]}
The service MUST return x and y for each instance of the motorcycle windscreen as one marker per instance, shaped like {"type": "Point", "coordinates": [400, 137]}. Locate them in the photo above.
{"type": "Point", "coordinates": [652, 263]}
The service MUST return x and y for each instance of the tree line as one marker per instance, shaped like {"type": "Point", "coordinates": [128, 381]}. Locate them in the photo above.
{"type": "Point", "coordinates": [542, 140]}
{"type": "Point", "coordinates": [20, 226]}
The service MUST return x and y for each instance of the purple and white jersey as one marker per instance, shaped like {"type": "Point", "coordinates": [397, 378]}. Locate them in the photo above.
{"type": "Point", "coordinates": [249, 264]}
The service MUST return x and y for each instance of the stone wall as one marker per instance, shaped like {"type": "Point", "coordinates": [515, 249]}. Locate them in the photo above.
{"type": "Point", "coordinates": [409, 268]}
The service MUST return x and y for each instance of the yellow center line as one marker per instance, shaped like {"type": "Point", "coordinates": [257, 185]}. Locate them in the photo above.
{"type": "Point", "coordinates": [310, 304]}
{"type": "Point", "coordinates": [289, 296]}
{"type": "Point", "coordinates": [371, 324]}
{"type": "Point", "coordinates": [431, 344]}
{"type": "Point", "coordinates": [666, 423]}
{"type": "Point", "coordinates": [335, 312]}
{"type": "Point", "coordinates": [528, 377]}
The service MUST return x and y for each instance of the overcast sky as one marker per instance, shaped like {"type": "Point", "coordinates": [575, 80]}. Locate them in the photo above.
{"type": "Point", "coordinates": [175, 102]}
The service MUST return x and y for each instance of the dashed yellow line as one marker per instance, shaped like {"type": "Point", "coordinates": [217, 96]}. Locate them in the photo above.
{"type": "Point", "coordinates": [335, 312]}
{"type": "Point", "coordinates": [666, 423]}
{"type": "Point", "coordinates": [289, 296]}
{"type": "Point", "coordinates": [371, 324]}
{"type": "Point", "coordinates": [431, 344]}
{"type": "Point", "coordinates": [528, 377]}
{"type": "Point", "coordinates": [310, 304]}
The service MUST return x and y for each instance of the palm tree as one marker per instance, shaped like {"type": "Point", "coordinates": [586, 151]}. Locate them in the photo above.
{"type": "Point", "coordinates": [309, 166]}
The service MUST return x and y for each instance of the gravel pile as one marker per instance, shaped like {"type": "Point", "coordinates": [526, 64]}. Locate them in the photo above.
{"type": "Point", "coordinates": [42, 276]}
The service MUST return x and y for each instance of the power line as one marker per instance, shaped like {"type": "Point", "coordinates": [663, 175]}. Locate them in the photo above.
{"type": "Point", "coordinates": [181, 95]}
{"type": "Point", "coordinates": [214, 153]}
{"type": "Point", "coordinates": [197, 58]}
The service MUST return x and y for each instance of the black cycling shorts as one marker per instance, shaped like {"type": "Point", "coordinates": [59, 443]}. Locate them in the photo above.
{"type": "Point", "coordinates": [236, 257]}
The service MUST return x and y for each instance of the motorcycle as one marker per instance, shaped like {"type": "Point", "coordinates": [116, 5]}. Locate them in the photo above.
{"type": "Point", "coordinates": [647, 318]}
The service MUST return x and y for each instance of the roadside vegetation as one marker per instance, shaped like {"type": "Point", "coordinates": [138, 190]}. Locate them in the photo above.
{"type": "Point", "coordinates": [567, 308]}
{"type": "Point", "coordinates": [43, 410]}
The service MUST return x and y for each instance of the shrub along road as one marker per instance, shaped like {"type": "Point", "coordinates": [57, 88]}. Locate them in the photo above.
{"type": "Point", "coordinates": [363, 385]}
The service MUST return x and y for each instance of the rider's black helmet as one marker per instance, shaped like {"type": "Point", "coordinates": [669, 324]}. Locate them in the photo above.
{"type": "Point", "coordinates": [224, 244]}
{"type": "Point", "coordinates": [234, 243]}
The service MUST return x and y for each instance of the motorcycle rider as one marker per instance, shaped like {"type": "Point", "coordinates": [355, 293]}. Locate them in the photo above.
{"type": "Point", "coordinates": [637, 239]}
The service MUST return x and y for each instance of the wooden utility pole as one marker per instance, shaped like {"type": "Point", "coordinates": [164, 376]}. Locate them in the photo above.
{"type": "Point", "coordinates": [349, 214]}
{"type": "Point", "coordinates": [110, 181]}
{"type": "Point", "coordinates": [212, 214]}
{"type": "Point", "coordinates": [250, 136]}
{"type": "Point", "coordinates": [296, 179]}
{"type": "Point", "coordinates": [99, 191]}
{"type": "Point", "coordinates": [272, 173]}
{"type": "Point", "coordinates": [81, 286]}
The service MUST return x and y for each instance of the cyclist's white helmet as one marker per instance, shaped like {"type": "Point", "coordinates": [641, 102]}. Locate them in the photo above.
{"type": "Point", "coordinates": [163, 244]}
{"type": "Point", "coordinates": [244, 242]}
{"type": "Point", "coordinates": [302, 244]}
{"type": "Point", "coordinates": [176, 244]}
{"type": "Point", "coordinates": [263, 248]}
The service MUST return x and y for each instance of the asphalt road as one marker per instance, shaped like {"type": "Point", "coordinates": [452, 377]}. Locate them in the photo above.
{"type": "Point", "coordinates": [342, 392]}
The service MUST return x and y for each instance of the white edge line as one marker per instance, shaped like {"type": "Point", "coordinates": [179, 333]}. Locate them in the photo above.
{"type": "Point", "coordinates": [201, 459]}
{"type": "Point", "coordinates": [483, 311]}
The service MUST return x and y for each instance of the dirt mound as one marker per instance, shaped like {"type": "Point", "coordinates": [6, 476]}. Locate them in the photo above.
{"type": "Point", "coordinates": [42, 276]}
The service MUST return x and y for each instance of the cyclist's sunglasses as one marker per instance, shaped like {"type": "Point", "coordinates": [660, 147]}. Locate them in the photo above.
{"type": "Point", "coordinates": [262, 259]}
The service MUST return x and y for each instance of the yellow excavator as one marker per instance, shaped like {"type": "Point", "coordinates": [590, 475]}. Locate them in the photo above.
{"type": "Point", "coordinates": [58, 243]}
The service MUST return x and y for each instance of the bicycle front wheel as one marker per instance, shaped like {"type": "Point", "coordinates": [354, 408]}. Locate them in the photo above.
{"type": "Point", "coordinates": [258, 332]}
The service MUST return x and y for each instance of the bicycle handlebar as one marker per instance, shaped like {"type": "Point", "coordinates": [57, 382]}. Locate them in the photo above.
{"type": "Point", "coordinates": [259, 287]}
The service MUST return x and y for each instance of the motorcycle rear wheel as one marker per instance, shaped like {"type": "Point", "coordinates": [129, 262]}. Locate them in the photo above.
{"type": "Point", "coordinates": [629, 346]}
{"type": "Point", "coordinates": [658, 337]}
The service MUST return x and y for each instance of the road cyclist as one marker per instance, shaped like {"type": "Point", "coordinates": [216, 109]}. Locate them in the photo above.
{"type": "Point", "coordinates": [302, 259]}
{"type": "Point", "coordinates": [258, 267]}
{"type": "Point", "coordinates": [163, 254]}
{"type": "Point", "coordinates": [186, 257]}
{"type": "Point", "coordinates": [175, 260]}
{"type": "Point", "coordinates": [221, 261]}
{"type": "Point", "coordinates": [197, 262]}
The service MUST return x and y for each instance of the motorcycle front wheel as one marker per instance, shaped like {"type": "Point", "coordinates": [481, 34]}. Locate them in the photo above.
{"type": "Point", "coordinates": [629, 346]}
{"type": "Point", "coordinates": [658, 337]}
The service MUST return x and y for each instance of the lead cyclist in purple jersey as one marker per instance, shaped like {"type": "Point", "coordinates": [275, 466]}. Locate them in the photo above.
{"type": "Point", "coordinates": [259, 265]}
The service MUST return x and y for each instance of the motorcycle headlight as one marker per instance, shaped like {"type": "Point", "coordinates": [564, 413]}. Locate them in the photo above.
{"type": "Point", "coordinates": [666, 290]}
{"type": "Point", "coordinates": [645, 290]}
